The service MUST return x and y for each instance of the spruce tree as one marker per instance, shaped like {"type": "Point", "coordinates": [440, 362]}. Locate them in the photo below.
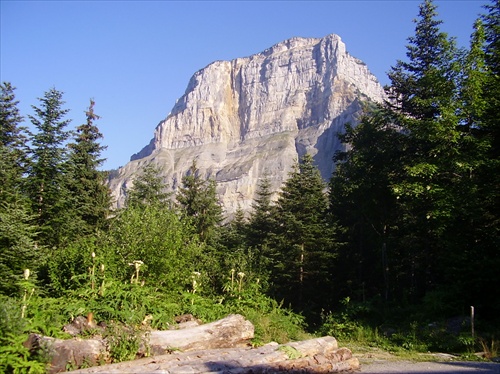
{"type": "Point", "coordinates": [364, 205]}
{"type": "Point", "coordinates": [234, 232]}
{"type": "Point", "coordinates": [424, 90]}
{"type": "Point", "coordinates": [45, 180]}
{"type": "Point", "coordinates": [483, 253]}
{"type": "Point", "coordinates": [261, 217]}
{"type": "Point", "coordinates": [198, 201]}
{"type": "Point", "coordinates": [423, 85]}
{"type": "Point", "coordinates": [148, 188]}
{"type": "Point", "coordinates": [260, 228]}
{"type": "Point", "coordinates": [17, 231]}
{"type": "Point", "coordinates": [490, 123]}
{"type": "Point", "coordinates": [89, 195]}
{"type": "Point", "coordinates": [18, 249]}
{"type": "Point", "coordinates": [12, 144]}
{"type": "Point", "coordinates": [303, 240]}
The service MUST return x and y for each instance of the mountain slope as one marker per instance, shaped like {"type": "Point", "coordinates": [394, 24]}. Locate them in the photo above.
{"type": "Point", "coordinates": [252, 116]}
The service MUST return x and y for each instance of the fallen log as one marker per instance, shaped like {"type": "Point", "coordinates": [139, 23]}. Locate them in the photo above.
{"type": "Point", "coordinates": [232, 331]}
{"type": "Point", "coordinates": [68, 353]}
{"type": "Point", "coordinates": [320, 355]}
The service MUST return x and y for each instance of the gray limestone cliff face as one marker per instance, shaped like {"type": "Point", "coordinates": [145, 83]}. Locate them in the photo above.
{"type": "Point", "coordinates": [255, 116]}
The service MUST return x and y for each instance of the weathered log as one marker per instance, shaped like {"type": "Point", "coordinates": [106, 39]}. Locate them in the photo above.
{"type": "Point", "coordinates": [232, 331]}
{"type": "Point", "coordinates": [319, 355]}
{"type": "Point", "coordinates": [70, 353]}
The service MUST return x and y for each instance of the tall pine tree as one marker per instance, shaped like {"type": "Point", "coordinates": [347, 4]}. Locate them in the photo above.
{"type": "Point", "coordinates": [17, 247]}
{"type": "Point", "coordinates": [365, 207]}
{"type": "Point", "coordinates": [424, 89]}
{"type": "Point", "coordinates": [303, 240]}
{"type": "Point", "coordinates": [45, 183]}
{"type": "Point", "coordinates": [261, 218]}
{"type": "Point", "coordinates": [90, 198]}
{"type": "Point", "coordinates": [12, 143]}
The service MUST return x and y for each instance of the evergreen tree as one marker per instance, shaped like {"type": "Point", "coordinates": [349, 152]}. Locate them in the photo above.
{"type": "Point", "coordinates": [365, 207]}
{"type": "Point", "coordinates": [425, 109]}
{"type": "Point", "coordinates": [233, 249]}
{"type": "Point", "coordinates": [490, 123]}
{"type": "Point", "coordinates": [480, 259]}
{"type": "Point", "coordinates": [261, 218]}
{"type": "Point", "coordinates": [234, 232]}
{"type": "Point", "coordinates": [148, 188]}
{"type": "Point", "coordinates": [303, 240]}
{"type": "Point", "coordinates": [423, 86]}
{"type": "Point", "coordinates": [260, 228]}
{"type": "Point", "coordinates": [399, 190]}
{"type": "Point", "coordinates": [90, 197]}
{"type": "Point", "coordinates": [198, 200]}
{"type": "Point", "coordinates": [12, 144]}
{"type": "Point", "coordinates": [17, 248]}
{"type": "Point", "coordinates": [45, 183]}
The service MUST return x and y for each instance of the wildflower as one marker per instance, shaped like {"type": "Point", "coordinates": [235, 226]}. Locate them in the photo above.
{"type": "Point", "coordinates": [137, 264]}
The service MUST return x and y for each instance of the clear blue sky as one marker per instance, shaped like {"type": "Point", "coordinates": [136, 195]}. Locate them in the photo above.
{"type": "Point", "coordinates": [135, 58]}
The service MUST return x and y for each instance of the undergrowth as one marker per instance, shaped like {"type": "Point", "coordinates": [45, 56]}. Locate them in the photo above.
{"type": "Point", "coordinates": [130, 310]}
{"type": "Point", "coordinates": [360, 324]}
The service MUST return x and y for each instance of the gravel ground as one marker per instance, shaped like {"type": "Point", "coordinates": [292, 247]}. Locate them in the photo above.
{"type": "Point", "coordinates": [374, 360]}
{"type": "Point", "coordinates": [429, 367]}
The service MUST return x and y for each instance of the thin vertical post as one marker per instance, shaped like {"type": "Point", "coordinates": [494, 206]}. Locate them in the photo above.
{"type": "Point", "coordinates": [472, 320]}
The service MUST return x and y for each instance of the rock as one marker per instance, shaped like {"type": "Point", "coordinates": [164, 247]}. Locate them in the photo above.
{"type": "Point", "coordinates": [255, 116]}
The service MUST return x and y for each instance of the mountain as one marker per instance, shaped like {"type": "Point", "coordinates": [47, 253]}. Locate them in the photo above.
{"type": "Point", "coordinates": [255, 116]}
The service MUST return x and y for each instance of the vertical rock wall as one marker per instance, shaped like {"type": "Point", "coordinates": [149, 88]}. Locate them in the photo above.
{"type": "Point", "coordinates": [257, 115]}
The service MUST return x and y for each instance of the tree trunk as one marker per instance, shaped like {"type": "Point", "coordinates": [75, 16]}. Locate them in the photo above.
{"type": "Point", "coordinates": [320, 355]}
{"type": "Point", "coordinates": [220, 346]}
{"type": "Point", "coordinates": [232, 331]}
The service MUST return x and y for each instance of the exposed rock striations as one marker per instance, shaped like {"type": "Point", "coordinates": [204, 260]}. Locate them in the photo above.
{"type": "Point", "coordinates": [256, 115]}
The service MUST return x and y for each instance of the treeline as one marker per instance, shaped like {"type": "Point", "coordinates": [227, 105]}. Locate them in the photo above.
{"type": "Point", "coordinates": [407, 227]}
{"type": "Point", "coordinates": [417, 195]}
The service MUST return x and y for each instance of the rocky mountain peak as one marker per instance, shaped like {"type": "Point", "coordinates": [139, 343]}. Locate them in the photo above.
{"type": "Point", "coordinates": [257, 115]}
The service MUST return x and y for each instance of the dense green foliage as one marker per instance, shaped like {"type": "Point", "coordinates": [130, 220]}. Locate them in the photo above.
{"type": "Point", "coordinates": [393, 251]}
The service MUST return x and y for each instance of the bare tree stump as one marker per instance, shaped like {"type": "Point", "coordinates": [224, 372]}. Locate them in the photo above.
{"type": "Point", "coordinates": [319, 355]}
